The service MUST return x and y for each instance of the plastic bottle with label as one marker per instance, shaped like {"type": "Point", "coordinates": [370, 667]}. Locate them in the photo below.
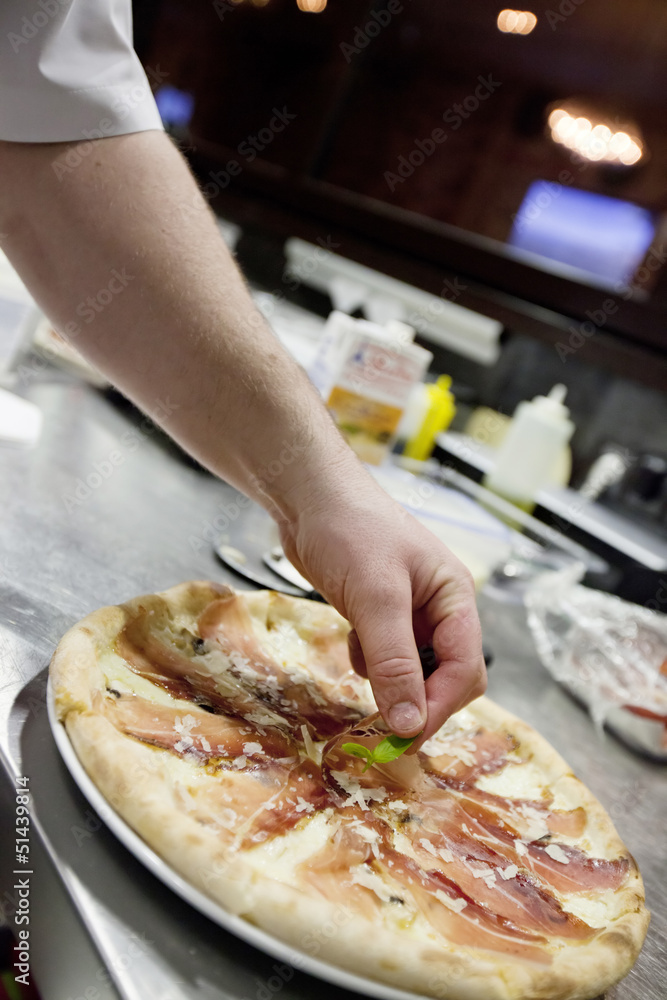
{"type": "Point", "coordinates": [365, 373]}
{"type": "Point", "coordinates": [539, 432]}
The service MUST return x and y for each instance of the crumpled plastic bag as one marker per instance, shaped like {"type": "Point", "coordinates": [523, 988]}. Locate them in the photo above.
{"type": "Point", "coordinates": [612, 655]}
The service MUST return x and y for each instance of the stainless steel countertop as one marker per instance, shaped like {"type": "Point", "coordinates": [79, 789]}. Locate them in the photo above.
{"type": "Point", "coordinates": [142, 528]}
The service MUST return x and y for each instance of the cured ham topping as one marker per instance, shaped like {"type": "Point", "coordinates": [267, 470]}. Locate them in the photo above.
{"type": "Point", "coordinates": [480, 752]}
{"type": "Point", "coordinates": [252, 683]}
{"type": "Point", "coordinates": [206, 737]}
{"type": "Point", "coordinates": [579, 872]}
{"type": "Point", "coordinates": [303, 793]}
{"type": "Point", "coordinates": [438, 897]}
{"type": "Point", "coordinates": [516, 815]}
{"type": "Point", "coordinates": [482, 869]}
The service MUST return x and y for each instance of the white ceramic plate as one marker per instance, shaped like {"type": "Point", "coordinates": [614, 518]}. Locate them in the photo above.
{"type": "Point", "coordinates": [231, 922]}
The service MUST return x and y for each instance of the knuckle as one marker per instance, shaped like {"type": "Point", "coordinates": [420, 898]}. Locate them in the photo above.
{"type": "Point", "coordinates": [394, 668]}
{"type": "Point", "coordinates": [384, 596]}
{"type": "Point", "coordinates": [458, 673]}
{"type": "Point", "coordinates": [467, 580]}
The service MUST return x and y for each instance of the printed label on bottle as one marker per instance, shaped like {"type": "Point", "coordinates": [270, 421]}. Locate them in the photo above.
{"type": "Point", "coordinates": [366, 424]}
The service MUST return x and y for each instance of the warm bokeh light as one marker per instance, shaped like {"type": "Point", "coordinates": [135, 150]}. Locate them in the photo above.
{"type": "Point", "coordinates": [311, 6]}
{"type": "Point", "coordinates": [596, 142]}
{"type": "Point", "coordinates": [619, 142]}
{"type": "Point", "coordinates": [516, 22]}
{"type": "Point", "coordinates": [631, 154]}
{"type": "Point", "coordinates": [556, 116]}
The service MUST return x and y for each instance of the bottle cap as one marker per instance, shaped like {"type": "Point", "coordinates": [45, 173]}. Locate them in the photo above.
{"type": "Point", "coordinates": [553, 403]}
{"type": "Point", "coordinates": [400, 331]}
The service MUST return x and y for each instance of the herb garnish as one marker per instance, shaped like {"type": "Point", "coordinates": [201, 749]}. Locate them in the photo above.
{"type": "Point", "coordinates": [388, 749]}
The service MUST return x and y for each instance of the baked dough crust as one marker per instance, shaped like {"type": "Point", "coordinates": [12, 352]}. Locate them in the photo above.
{"type": "Point", "coordinates": [146, 786]}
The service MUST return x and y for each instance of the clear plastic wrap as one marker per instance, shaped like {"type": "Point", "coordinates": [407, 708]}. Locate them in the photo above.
{"type": "Point", "coordinates": [610, 654]}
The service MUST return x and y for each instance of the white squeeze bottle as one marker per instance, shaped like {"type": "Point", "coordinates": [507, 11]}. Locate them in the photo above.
{"type": "Point", "coordinates": [539, 431]}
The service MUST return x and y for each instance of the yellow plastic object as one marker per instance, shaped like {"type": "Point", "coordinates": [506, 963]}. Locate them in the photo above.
{"type": "Point", "coordinates": [439, 415]}
{"type": "Point", "coordinates": [487, 426]}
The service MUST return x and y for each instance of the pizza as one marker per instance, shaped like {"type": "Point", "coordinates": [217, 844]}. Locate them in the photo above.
{"type": "Point", "coordinates": [479, 868]}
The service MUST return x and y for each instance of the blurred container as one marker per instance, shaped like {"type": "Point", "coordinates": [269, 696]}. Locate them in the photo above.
{"type": "Point", "coordinates": [528, 453]}
{"type": "Point", "coordinates": [435, 411]}
{"type": "Point", "coordinates": [610, 654]}
{"type": "Point", "coordinates": [365, 373]}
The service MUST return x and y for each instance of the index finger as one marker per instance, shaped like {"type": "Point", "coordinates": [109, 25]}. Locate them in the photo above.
{"type": "Point", "coordinates": [392, 663]}
{"type": "Point", "coordinates": [460, 676]}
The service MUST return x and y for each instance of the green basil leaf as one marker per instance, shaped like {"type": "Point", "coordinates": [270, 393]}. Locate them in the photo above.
{"type": "Point", "coordinates": [357, 750]}
{"type": "Point", "coordinates": [391, 747]}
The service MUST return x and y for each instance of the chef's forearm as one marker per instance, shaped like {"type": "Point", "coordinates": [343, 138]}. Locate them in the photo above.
{"type": "Point", "coordinates": [121, 251]}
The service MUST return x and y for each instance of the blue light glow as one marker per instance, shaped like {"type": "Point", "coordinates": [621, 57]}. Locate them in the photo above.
{"type": "Point", "coordinates": [175, 106]}
{"type": "Point", "coordinates": [604, 236]}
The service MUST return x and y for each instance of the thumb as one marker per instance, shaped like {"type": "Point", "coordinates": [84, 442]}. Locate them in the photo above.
{"type": "Point", "coordinates": [393, 667]}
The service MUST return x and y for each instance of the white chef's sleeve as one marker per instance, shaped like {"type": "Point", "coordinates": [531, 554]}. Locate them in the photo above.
{"type": "Point", "coordinates": [68, 71]}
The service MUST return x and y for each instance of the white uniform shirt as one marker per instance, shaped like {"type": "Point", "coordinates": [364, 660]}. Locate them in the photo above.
{"type": "Point", "coordinates": [68, 71]}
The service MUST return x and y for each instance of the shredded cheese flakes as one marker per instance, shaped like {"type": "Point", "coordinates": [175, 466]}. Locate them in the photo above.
{"type": "Point", "coordinates": [452, 904]}
{"type": "Point", "coordinates": [557, 853]}
{"type": "Point", "coordinates": [510, 872]}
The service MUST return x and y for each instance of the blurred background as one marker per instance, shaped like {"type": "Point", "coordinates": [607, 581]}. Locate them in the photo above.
{"type": "Point", "coordinates": [514, 162]}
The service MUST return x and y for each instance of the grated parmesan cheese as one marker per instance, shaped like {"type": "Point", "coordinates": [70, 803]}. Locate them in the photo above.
{"type": "Point", "coordinates": [484, 873]}
{"type": "Point", "coordinates": [228, 818]}
{"type": "Point", "coordinates": [557, 853]}
{"type": "Point", "coordinates": [370, 836]}
{"type": "Point", "coordinates": [397, 805]}
{"type": "Point", "coordinates": [537, 826]}
{"type": "Point", "coordinates": [308, 744]}
{"type": "Point", "coordinates": [355, 792]}
{"type": "Point", "coordinates": [261, 718]}
{"type": "Point", "coordinates": [369, 879]}
{"type": "Point", "coordinates": [510, 872]}
{"type": "Point", "coordinates": [452, 904]}
{"type": "Point", "coordinates": [184, 726]}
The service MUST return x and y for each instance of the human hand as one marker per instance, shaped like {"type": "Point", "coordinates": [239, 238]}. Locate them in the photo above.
{"type": "Point", "coordinates": [400, 589]}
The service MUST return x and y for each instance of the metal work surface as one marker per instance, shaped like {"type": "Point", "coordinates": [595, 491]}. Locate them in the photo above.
{"type": "Point", "coordinates": [104, 509]}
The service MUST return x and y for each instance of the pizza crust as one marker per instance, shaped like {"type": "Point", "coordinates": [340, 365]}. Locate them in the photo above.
{"type": "Point", "coordinates": [146, 785]}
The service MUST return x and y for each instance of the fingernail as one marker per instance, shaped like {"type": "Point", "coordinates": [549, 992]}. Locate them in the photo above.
{"type": "Point", "coordinates": [404, 716]}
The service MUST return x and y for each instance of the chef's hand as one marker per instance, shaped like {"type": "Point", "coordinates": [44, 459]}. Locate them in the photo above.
{"type": "Point", "coordinates": [185, 330]}
{"type": "Point", "coordinates": [401, 589]}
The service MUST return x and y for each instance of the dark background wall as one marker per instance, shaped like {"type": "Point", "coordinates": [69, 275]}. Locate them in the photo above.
{"type": "Point", "coordinates": [361, 101]}
{"type": "Point", "coordinates": [363, 98]}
